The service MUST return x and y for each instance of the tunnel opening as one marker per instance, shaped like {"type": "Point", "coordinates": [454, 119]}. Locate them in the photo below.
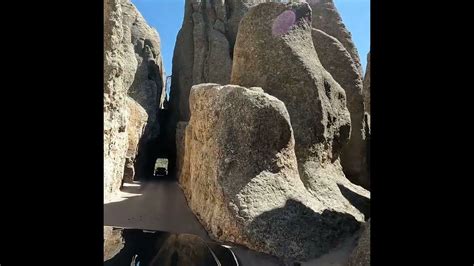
{"type": "Point", "coordinates": [154, 162]}
{"type": "Point", "coordinates": [153, 153]}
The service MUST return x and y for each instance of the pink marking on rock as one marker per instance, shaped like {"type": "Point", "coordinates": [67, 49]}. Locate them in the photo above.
{"type": "Point", "coordinates": [283, 22]}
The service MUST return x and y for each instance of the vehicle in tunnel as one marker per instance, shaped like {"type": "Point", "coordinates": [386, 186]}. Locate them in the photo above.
{"type": "Point", "coordinates": [161, 171]}
{"type": "Point", "coordinates": [161, 167]}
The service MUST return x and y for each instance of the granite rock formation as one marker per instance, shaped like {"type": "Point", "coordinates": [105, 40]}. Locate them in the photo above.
{"type": "Point", "coordinates": [203, 52]}
{"type": "Point", "coordinates": [339, 63]}
{"type": "Point", "coordinates": [180, 146]}
{"type": "Point", "coordinates": [115, 95]}
{"type": "Point", "coordinates": [136, 126]}
{"type": "Point", "coordinates": [145, 81]}
{"type": "Point", "coordinates": [366, 176]}
{"type": "Point", "coordinates": [275, 51]}
{"type": "Point", "coordinates": [132, 67]}
{"type": "Point", "coordinates": [204, 46]}
{"type": "Point", "coordinates": [239, 158]}
{"type": "Point", "coordinates": [367, 85]}
{"type": "Point", "coordinates": [327, 18]}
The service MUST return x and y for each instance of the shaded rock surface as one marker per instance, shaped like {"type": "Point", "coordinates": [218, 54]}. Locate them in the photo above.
{"type": "Point", "coordinates": [339, 63]}
{"type": "Point", "coordinates": [367, 117]}
{"type": "Point", "coordinates": [339, 256]}
{"type": "Point", "coordinates": [361, 254]}
{"type": "Point", "coordinates": [367, 85]}
{"type": "Point", "coordinates": [327, 18]}
{"type": "Point", "coordinates": [366, 174]}
{"type": "Point", "coordinates": [180, 146]}
{"type": "Point", "coordinates": [240, 159]}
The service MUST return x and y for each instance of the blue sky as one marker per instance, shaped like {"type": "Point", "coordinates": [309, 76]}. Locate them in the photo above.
{"type": "Point", "coordinates": [167, 15]}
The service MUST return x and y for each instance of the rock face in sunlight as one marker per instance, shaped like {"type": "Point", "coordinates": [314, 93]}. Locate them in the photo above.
{"type": "Point", "coordinates": [132, 67]}
{"type": "Point", "coordinates": [339, 63]}
{"type": "Point", "coordinates": [136, 125]}
{"type": "Point", "coordinates": [115, 98]}
{"type": "Point", "coordinates": [327, 18]}
{"type": "Point", "coordinates": [240, 173]}
{"type": "Point", "coordinates": [145, 80]}
{"type": "Point", "coordinates": [204, 50]}
{"type": "Point", "coordinates": [274, 50]}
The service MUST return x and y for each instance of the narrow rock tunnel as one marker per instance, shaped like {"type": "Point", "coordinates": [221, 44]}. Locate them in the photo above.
{"type": "Point", "coordinates": [153, 156]}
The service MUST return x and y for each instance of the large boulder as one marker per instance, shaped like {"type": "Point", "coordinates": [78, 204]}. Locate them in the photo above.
{"type": "Point", "coordinates": [327, 18]}
{"type": "Point", "coordinates": [275, 51]}
{"type": "Point", "coordinates": [239, 158]}
{"type": "Point", "coordinates": [339, 63]}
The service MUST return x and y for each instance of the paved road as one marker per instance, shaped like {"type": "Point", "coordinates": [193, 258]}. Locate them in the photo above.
{"type": "Point", "coordinates": [153, 205]}
{"type": "Point", "coordinates": [160, 205]}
